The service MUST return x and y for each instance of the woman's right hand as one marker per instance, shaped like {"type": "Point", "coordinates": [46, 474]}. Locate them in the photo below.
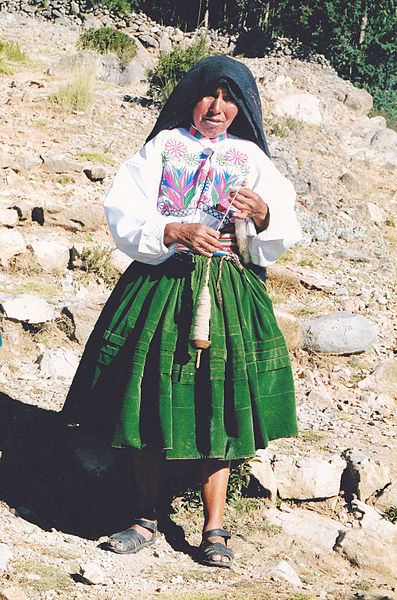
{"type": "Point", "coordinates": [196, 236]}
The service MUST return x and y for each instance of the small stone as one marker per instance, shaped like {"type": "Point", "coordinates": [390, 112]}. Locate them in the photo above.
{"type": "Point", "coordinates": [383, 379]}
{"type": "Point", "coordinates": [95, 173]}
{"type": "Point", "coordinates": [5, 159]}
{"type": "Point", "coordinates": [5, 556]}
{"type": "Point", "coordinates": [280, 568]}
{"type": "Point", "coordinates": [74, 8]}
{"type": "Point", "coordinates": [92, 574]}
{"type": "Point", "coordinates": [301, 106]}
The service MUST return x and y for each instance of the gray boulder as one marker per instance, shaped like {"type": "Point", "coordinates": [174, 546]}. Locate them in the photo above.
{"type": "Point", "coordinates": [359, 100]}
{"type": "Point", "coordinates": [339, 333]}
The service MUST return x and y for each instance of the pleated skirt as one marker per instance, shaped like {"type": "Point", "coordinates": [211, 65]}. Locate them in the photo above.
{"type": "Point", "coordinates": [138, 386]}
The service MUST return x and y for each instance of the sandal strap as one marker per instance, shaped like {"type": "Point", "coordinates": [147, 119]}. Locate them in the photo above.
{"type": "Point", "coordinates": [216, 533]}
{"type": "Point", "coordinates": [213, 548]}
{"type": "Point", "coordinates": [146, 524]}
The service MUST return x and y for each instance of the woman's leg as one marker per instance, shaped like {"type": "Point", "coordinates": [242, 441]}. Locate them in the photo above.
{"type": "Point", "coordinates": [215, 477]}
{"type": "Point", "coordinates": [147, 464]}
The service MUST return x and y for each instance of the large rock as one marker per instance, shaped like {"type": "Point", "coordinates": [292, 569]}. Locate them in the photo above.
{"type": "Point", "coordinates": [50, 254]}
{"type": "Point", "coordinates": [290, 328]}
{"type": "Point", "coordinates": [5, 556]}
{"type": "Point", "coordinates": [26, 162]}
{"type": "Point", "coordinates": [366, 549]}
{"type": "Point", "coordinates": [388, 496]}
{"type": "Point", "coordinates": [359, 100]}
{"type": "Point", "coordinates": [59, 164]}
{"type": "Point", "coordinates": [301, 106]}
{"type": "Point", "coordinates": [11, 244]}
{"type": "Point", "coordinates": [13, 593]}
{"type": "Point", "coordinates": [28, 309]}
{"type": "Point", "coordinates": [80, 217]}
{"type": "Point", "coordinates": [339, 333]}
{"type": "Point", "coordinates": [376, 213]}
{"type": "Point", "coordinates": [262, 470]}
{"type": "Point", "coordinates": [132, 73]}
{"type": "Point", "coordinates": [363, 476]}
{"type": "Point", "coordinates": [301, 524]}
{"type": "Point", "coordinates": [57, 363]}
{"type": "Point", "coordinates": [383, 380]}
{"type": "Point", "coordinates": [8, 217]}
{"type": "Point", "coordinates": [306, 478]}
{"type": "Point", "coordinates": [119, 260]}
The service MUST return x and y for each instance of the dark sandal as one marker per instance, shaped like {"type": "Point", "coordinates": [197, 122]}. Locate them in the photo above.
{"type": "Point", "coordinates": [210, 549]}
{"type": "Point", "coordinates": [130, 541]}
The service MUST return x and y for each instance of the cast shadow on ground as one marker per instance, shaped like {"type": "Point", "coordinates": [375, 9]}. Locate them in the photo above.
{"type": "Point", "coordinates": [54, 479]}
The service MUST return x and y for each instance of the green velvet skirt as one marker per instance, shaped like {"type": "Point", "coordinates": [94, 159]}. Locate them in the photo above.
{"type": "Point", "coordinates": [137, 384]}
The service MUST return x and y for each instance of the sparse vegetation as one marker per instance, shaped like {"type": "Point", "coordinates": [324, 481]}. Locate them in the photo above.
{"type": "Point", "coordinates": [11, 55]}
{"type": "Point", "coordinates": [283, 126]}
{"type": "Point", "coordinates": [173, 66]}
{"type": "Point", "coordinates": [97, 260]}
{"type": "Point", "coordinates": [391, 514]}
{"type": "Point", "coordinates": [78, 90]}
{"type": "Point", "coordinates": [97, 157]}
{"type": "Point", "coordinates": [107, 39]}
{"type": "Point", "coordinates": [64, 179]}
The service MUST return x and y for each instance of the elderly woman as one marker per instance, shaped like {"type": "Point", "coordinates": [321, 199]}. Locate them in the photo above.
{"type": "Point", "coordinates": [174, 207]}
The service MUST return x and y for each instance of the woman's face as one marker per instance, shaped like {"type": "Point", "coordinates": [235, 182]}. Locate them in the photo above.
{"type": "Point", "coordinates": [213, 114]}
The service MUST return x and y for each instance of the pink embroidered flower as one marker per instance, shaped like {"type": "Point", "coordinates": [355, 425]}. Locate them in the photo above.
{"type": "Point", "coordinates": [236, 157]}
{"type": "Point", "coordinates": [175, 148]}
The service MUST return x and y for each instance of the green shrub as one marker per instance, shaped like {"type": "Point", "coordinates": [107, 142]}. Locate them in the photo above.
{"type": "Point", "coordinates": [171, 67]}
{"type": "Point", "coordinates": [107, 39]}
{"type": "Point", "coordinates": [10, 56]}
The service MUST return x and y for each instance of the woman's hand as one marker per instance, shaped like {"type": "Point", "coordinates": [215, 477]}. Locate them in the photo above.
{"type": "Point", "coordinates": [195, 236]}
{"type": "Point", "coordinates": [250, 204]}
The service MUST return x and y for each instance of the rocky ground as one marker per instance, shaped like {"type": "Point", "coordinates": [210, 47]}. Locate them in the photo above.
{"type": "Point", "coordinates": [314, 521]}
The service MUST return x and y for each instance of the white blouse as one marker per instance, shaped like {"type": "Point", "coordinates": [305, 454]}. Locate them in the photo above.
{"type": "Point", "coordinates": [181, 176]}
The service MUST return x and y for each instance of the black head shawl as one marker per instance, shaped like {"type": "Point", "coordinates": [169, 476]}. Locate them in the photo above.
{"type": "Point", "coordinates": [205, 77]}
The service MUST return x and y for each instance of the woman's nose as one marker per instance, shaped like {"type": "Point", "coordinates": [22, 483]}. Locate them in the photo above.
{"type": "Point", "coordinates": [217, 104]}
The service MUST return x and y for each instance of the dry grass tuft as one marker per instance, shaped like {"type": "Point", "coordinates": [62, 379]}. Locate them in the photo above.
{"type": "Point", "coordinates": [77, 91]}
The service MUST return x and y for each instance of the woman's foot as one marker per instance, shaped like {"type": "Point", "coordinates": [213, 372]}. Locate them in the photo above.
{"type": "Point", "coordinates": [140, 535]}
{"type": "Point", "coordinates": [213, 549]}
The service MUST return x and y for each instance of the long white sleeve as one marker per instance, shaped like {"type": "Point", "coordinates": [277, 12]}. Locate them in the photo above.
{"type": "Point", "coordinates": [283, 230]}
{"type": "Point", "coordinates": [131, 207]}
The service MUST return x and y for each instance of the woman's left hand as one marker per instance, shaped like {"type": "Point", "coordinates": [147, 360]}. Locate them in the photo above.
{"type": "Point", "coordinates": [250, 204]}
